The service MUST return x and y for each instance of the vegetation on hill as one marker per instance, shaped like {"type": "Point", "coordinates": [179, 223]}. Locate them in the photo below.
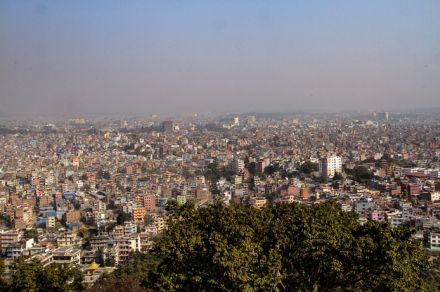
{"type": "Point", "coordinates": [241, 248]}
{"type": "Point", "coordinates": [32, 276]}
{"type": "Point", "coordinates": [285, 247]}
{"type": "Point", "coordinates": [309, 167]}
{"type": "Point", "coordinates": [360, 174]}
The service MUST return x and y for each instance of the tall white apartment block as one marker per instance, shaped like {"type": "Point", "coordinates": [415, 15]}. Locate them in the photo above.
{"type": "Point", "coordinates": [330, 165]}
{"type": "Point", "coordinates": [238, 165]}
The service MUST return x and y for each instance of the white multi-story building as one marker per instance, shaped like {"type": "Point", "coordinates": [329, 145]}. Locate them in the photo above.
{"type": "Point", "coordinates": [435, 196]}
{"type": "Point", "coordinates": [9, 237]}
{"type": "Point", "coordinates": [124, 246]}
{"type": "Point", "coordinates": [68, 239]}
{"type": "Point", "coordinates": [130, 228]}
{"type": "Point", "coordinates": [330, 165]}
{"type": "Point", "coordinates": [237, 165]}
{"type": "Point", "coordinates": [420, 171]}
{"type": "Point", "coordinates": [159, 223]}
{"type": "Point", "coordinates": [434, 240]}
{"type": "Point", "coordinates": [67, 255]}
{"type": "Point", "coordinates": [50, 222]}
{"type": "Point", "coordinates": [398, 221]}
{"type": "Point", "coordinates": [435, 173]}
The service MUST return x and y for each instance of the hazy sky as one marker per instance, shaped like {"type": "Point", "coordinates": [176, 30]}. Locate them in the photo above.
{"type": "Point", "coordinates": [192, 56]}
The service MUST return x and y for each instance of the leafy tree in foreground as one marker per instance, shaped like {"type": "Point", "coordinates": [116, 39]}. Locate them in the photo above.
{"type": "Point", "coordinates": [3, 282]}
{"type": "Point", "coordinates": [131, 275]}
{"type": "Point", "coordinates": [281, 248]}
{"type": "Point", "coordinates": [325, 249]}
{"type": "Point", "coordinates": [286, 247]}
{"type": "Point", "coordinates": [32, 276]}
{"type": "Point", "coordinates": [112, 283]}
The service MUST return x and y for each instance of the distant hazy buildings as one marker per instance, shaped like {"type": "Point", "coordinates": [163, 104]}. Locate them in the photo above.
{"type": "Point", "coordinates": [168, 126]}
{"type": "Point", "coordinates": [381, 116]}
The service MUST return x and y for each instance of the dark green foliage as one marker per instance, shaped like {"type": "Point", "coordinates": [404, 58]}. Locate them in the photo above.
{"type": "Point", "coordinates": [31, 233]}
{"type": "Point", "coordinates": [181, 211]}
{"type": "Point", "coordinates": [56, 278]}
{"type": "Point", "coordinates": [109, 262]}
{"type": "Point", "coordinates": [280, 248]}
{"type": "Point", "coordinates": [112, 283]}
{"type": "Point", "coordinates": [187, 173]}
{"type": "Point", "coordinates": [31, 276]}
{"type": "Point", "coordinates": [287, 247]}
{"type": "Point", "coordinates": [338, 176]}
{"type": "Point", "coordinates": [271, 197]}
{"type": "Point", "coordinates": [122, 217]}
{"type": "Point", "coordinates": [3, 282]}
{"type": "Point", "coordinates": [434, 276]}
{"type": "Point", "coordinates": [361, 174]}
{"type": "Point", "coordinates": [325, 249]}
{"type": "Point", "coordinates": [309, 167]}
{"type": "Point", "coordinates": [133, 275]}
{"type": "Point", "coordinates": [217, 248]}
{"type": "Point", "coordinates": [214, 172]}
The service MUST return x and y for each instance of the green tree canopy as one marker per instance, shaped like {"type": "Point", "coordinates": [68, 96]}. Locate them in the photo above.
{"type": "Point", "coordinates": [122, 217]}
{"type": "Point", "coordinates": [131, 275]}
{"type": "Point", "coordinates": [31, 233]}
{"type": "Point", "coordinates": [338, 176]}
{"type": "Point", "coordinates": [285, 247]}
{"type": "Point", "coordinates": [279, 248]}
{"type": "Point", "coordinates": [32, 276]}
{"type": "Point", "coordinates": [309, 167]}
{"type": "Point", "coordinates": [361, 174]}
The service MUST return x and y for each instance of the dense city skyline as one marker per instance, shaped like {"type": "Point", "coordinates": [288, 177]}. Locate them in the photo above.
{"type": "Point", "coordinates": [194, 56]}
{"type": "Point", "coordinates": [110, 203]}
{"type": "Point", "coordinates": [219, 145]}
